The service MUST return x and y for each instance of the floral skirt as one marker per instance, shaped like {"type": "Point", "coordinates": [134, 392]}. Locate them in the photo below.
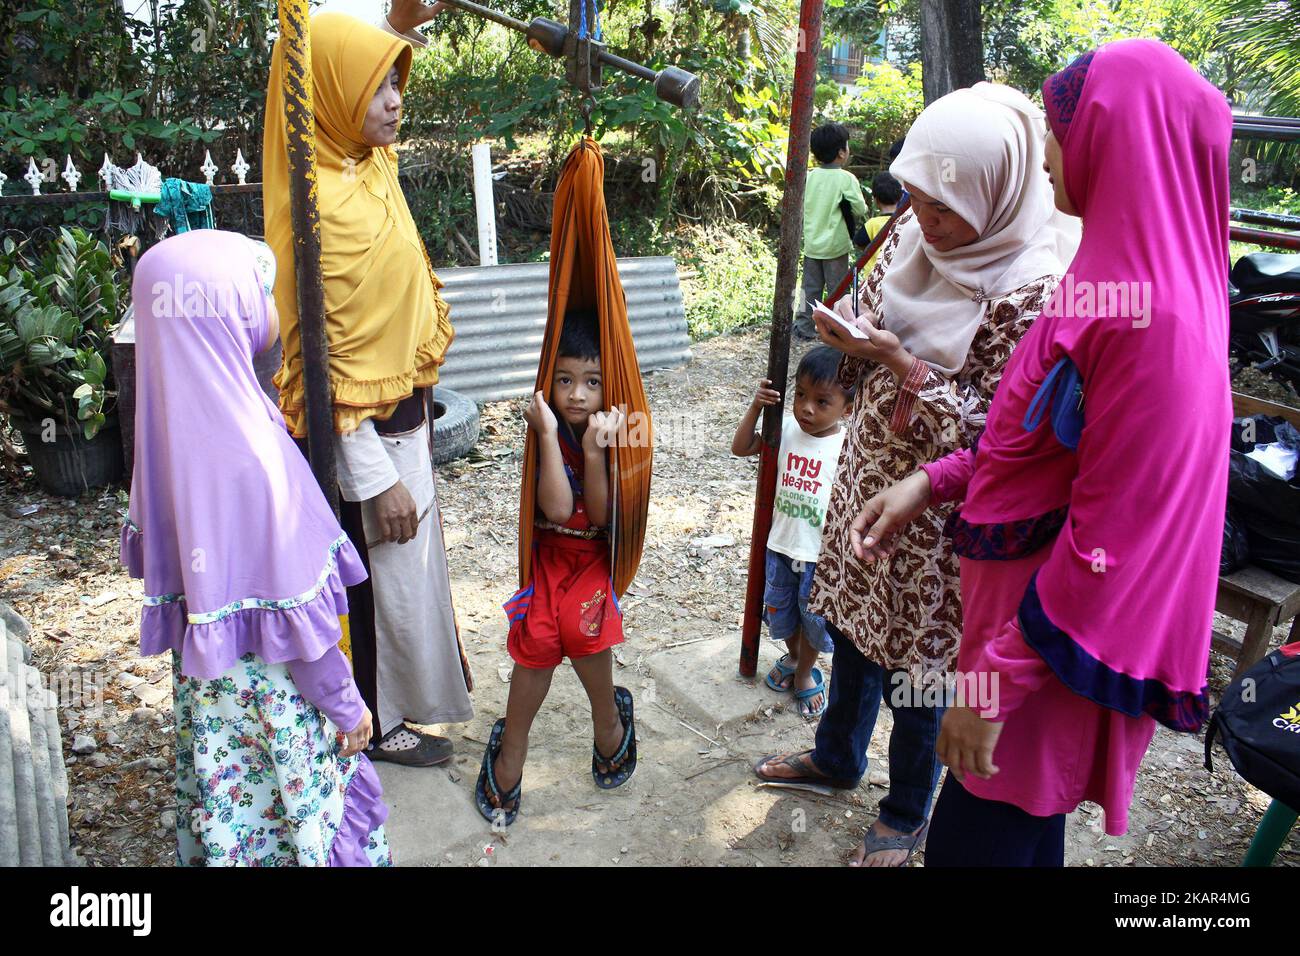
{"type": "Point", "coordinates": [258, 777]}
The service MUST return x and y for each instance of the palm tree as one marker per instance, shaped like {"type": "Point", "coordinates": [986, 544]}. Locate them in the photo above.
{"type": "Point", "coordinates": [1266, 37]}
{"type": "Point", "coordinates": [767, 22]}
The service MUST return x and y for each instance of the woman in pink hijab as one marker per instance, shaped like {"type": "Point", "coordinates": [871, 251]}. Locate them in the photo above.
{"type": "Point", "coordinates": [1092, 504]}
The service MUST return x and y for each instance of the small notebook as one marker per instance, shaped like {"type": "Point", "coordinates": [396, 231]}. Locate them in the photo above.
{"type": "Point", "coordinates": [831, 316]}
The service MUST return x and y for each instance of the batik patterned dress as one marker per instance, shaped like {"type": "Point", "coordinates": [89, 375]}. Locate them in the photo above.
{"type": "Point", "coordinates": [904, 612]}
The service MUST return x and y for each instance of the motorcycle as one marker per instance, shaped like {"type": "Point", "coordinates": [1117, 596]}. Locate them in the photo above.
{"type": "Point", "coordinates": [1264, 314]}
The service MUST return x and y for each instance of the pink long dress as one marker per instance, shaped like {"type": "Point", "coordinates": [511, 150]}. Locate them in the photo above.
{"type": "Point", "coordinates": [1057, 748]}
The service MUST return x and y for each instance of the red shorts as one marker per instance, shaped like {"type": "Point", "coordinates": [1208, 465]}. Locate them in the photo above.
{"type": "Point", "coordinates": [569, 609]}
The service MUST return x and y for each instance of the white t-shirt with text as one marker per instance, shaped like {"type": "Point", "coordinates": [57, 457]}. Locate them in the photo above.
{"type": "Point", "coordinates": [804, 476]}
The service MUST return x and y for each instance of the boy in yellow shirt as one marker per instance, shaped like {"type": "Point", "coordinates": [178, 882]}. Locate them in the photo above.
{"type": "Point", "coordinates": [886, 191]}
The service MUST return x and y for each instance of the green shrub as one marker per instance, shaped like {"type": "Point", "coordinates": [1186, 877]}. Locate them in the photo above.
{"type": "Point", "coordinates": [58, 310]}
{"type": "Point", "coordinates": [881, 110]}
{"type": "Point", "coordinates": [734, 275]}
{"type": "Point", "coordinates": [825, 94]}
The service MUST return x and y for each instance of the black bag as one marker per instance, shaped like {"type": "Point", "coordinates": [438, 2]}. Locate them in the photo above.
{"type": "Point", "coordinates": [1236, 549]}
{"type": "Point", "coordinates": [1268, 506]}
{"type": "Point", "coordinates": [846, 211]}
{"type": "Point", "coordinates": [1258, 722]}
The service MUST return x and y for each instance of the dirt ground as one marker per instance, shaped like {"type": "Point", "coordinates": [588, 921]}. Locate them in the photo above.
{"type": "Point", "coordinates": [694, 799]}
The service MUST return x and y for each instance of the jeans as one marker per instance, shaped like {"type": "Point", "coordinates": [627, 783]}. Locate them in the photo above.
{"type": "Point", "coordinates": [857, 686]}
{"type": "Point", "coordinates": [785, 602]}
{"type": "Point", "coordinates": [970, 831]}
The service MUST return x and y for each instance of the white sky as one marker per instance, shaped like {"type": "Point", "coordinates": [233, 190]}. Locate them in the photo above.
{"type": "Point", "coordinates": [362, 9]}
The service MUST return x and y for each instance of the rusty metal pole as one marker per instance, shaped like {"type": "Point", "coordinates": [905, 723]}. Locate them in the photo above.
{"type": "Point", "coordinates": [778, 355]}
{"type": "Point", "coordinates": [304, 209]}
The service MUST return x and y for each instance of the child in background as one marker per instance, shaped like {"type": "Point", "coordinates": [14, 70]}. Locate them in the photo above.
{"type": "Point", "coordinates": [827, 239]}
{"type": "Point", "coordinates": [886, 191]}
{"type": "Point", "coordinates": [569, 608]}
{"type": "Point", "coordinates": [811, 437]}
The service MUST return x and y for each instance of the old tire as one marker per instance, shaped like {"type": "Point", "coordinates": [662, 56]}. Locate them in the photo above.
{"type": "Point", "coordinates": [455, 426]}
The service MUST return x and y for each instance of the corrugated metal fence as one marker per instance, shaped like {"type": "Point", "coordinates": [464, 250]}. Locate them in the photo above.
{"type": "Point", "coordinates": [500, 314]}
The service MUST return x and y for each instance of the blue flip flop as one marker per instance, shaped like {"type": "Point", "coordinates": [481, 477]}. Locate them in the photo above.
{"type": "Point", "coordinates": [623, 763]}
{"type": "Point", "coordinates": [487, 779]}
{"type": "Point", "coordinates": [783, 672]}
{"type": "Point", "coordinates": [802, 697]}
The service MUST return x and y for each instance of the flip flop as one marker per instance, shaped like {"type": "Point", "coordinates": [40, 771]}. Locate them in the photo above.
{"type": "Point", "coordinates": [804, 777]}
{"type": "Point", "coordinates": [623, 763]}
{"type": "Point", "coordinates": [487, 779]}
{"type": "Point", "coordinates": [909, 842]}
{"type": "Point", "coordinates": [783, 673]}
{"type": "Point", "coordinates": [803, 696]}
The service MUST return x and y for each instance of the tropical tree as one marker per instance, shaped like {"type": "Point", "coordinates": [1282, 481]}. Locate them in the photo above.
{"type": "Point", "coordinates": [1265, 34]}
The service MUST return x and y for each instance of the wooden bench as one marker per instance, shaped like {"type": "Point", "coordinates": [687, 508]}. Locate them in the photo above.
{"type": "Point", "coordinates": [1259, 598]}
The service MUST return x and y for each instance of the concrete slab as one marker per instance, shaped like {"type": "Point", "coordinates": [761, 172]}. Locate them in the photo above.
{"type": "Point", "coordinates": [702, 680]}
{"type": "Point", "coordinates": [428, 813]}
{"type": "Point", "coordinates": [26, 812]}
{"type": "Point", "coordinates": [15, 625]}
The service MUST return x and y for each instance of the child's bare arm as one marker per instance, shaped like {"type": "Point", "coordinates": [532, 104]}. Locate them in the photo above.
{"type": "Point", "coordinates": [601, 434]}
{"type": "Point", "coordinates": [748, 441]}
{"type": "Point", "coordinates": [554, 496]}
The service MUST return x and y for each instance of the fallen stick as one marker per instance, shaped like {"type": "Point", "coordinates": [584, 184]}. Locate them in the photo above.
{"type": "Point", "coordinates": [693, 640]}
{"type": "Point", "coordinates": [714, 766]}
{"type": "Point", "coordinates": [688, 726]}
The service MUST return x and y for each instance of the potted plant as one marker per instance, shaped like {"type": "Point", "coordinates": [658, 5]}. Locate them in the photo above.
{"type": "Point", "coordinates": [58, 310]}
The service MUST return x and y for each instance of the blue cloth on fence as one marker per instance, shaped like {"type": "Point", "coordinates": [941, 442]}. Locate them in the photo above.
{"type": "Point", "coordinates": [185, 205]}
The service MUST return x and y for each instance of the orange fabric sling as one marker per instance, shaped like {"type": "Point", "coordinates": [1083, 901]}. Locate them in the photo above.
{"type": "Point", "coordinates": [584, 275]}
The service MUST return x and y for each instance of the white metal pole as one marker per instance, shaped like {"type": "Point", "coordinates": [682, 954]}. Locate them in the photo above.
{"type": "Point", "coordinates": [485, 205]}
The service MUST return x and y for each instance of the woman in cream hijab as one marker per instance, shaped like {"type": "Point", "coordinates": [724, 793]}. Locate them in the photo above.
{"type": "Point", "coordinates": [388, 332]}
{"type": "Point", "coordinates": [956, 286]}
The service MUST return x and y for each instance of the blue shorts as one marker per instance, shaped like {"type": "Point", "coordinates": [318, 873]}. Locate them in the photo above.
{"type": "Point", "coordinates": [785, 602]}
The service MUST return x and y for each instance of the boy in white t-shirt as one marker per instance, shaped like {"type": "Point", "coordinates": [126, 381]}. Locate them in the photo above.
{"type": "Point", "coordinates": [811, 436]}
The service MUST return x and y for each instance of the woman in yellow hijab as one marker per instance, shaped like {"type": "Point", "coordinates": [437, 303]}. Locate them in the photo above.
{"type": "Point", "coordinates": [388, 331]}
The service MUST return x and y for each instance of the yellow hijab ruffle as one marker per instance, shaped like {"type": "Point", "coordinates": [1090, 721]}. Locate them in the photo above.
{"type": "Point", "coordinates": [387, 326]}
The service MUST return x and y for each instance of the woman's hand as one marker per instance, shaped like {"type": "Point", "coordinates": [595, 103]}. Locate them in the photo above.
{"type": "Point", "coordinates": [880, 346]}
{"type": "Point", "coordinates": [541, 417]}
{"type": "Point", "coordinates": [396, 513]}
{"type": "Point", "coordinates": [406, 15]}
{"type": "Point", "coordinates": [602, 430]}
{"type": "Point", "coordinates": [966, 743]}
{"type": "Point", "coordinates": [875, 530]}
{"type": "Point", "coordinates": [358, 739]}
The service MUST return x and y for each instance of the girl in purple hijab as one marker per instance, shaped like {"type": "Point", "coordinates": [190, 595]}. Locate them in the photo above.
{"type": "Point", "coordinates": [1092, 504]}
{"type": "Point", "coordinates": [245, 573]}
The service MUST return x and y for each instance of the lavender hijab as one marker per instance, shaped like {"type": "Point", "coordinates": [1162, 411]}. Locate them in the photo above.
{"type": "Point", "coordinates": [237, 547]}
